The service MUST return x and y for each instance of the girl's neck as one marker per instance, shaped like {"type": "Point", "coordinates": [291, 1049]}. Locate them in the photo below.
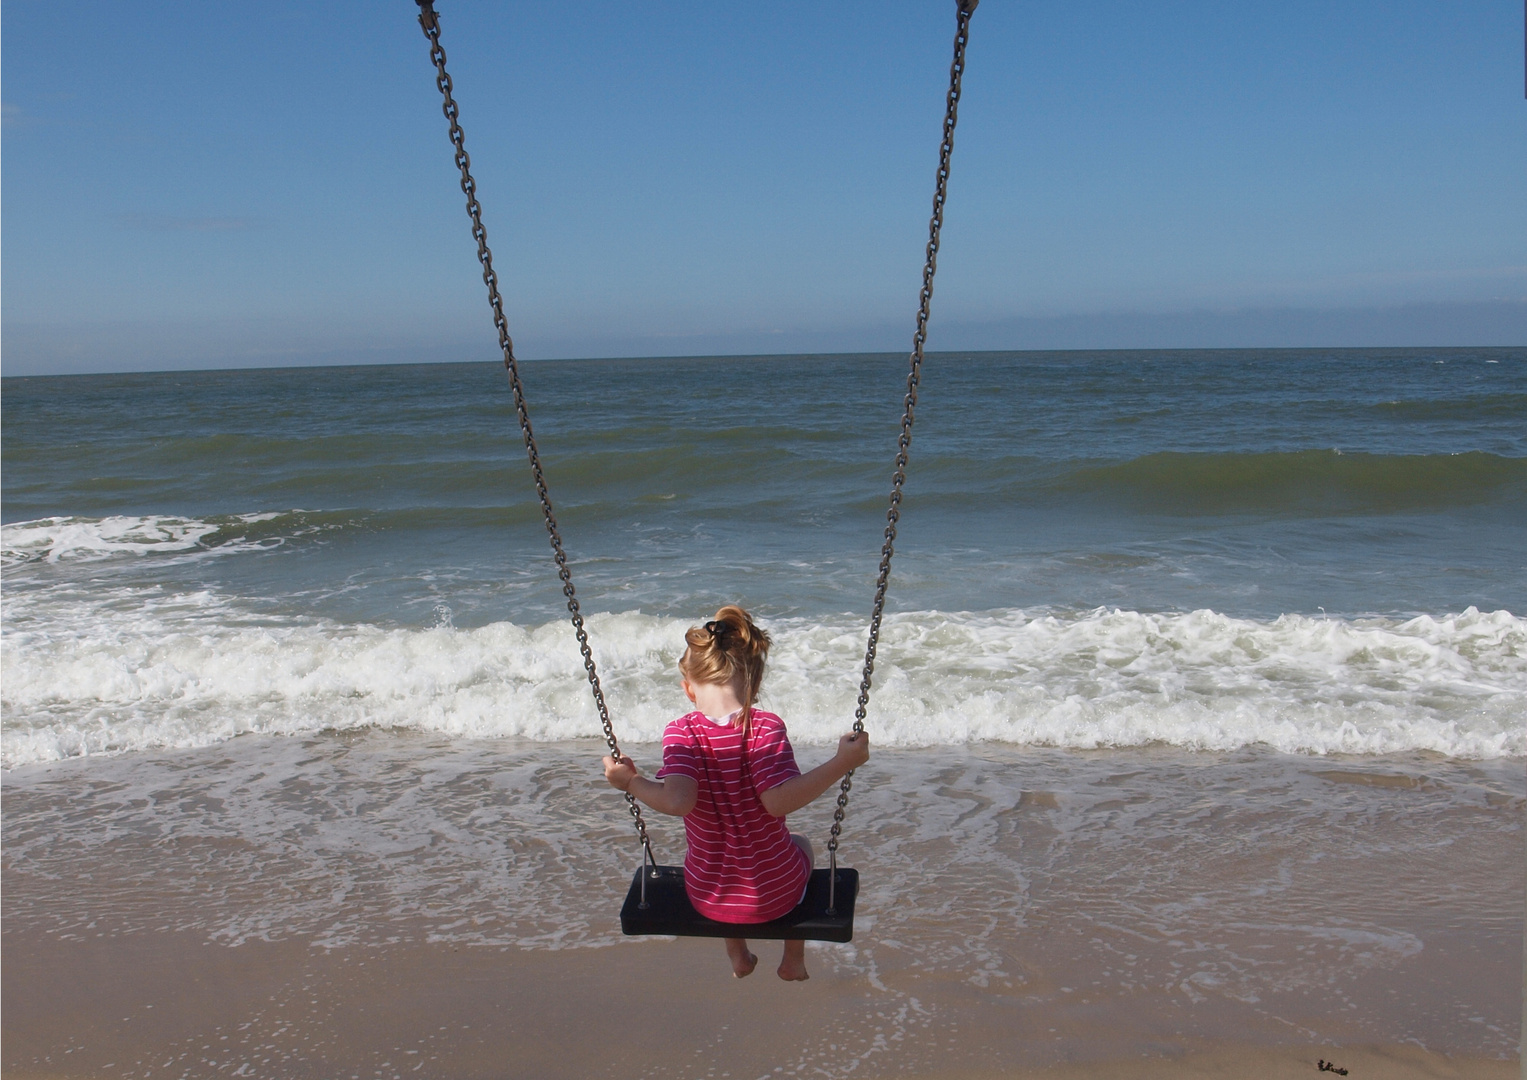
{"type": "Point", "coordinates": [715, 700]}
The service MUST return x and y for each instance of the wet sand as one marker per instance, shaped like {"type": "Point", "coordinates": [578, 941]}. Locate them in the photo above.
{"type": "Point", "coordinates": [168, 1004]}
{"type": "Point", "coordinates": [365, 908]}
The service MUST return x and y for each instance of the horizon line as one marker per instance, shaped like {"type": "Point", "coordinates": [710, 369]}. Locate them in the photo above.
{"type": "Point", "coordinates": [759, 356]}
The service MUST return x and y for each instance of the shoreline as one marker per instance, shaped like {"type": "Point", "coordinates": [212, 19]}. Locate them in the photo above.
{"type": "Point", "coordinates": [323, 906]}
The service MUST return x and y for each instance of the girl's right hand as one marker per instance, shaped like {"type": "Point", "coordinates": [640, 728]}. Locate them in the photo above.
{"type": "Point", "coordinates": [854, 749]}
{"type": "Point", "coordinates": [619, 772]}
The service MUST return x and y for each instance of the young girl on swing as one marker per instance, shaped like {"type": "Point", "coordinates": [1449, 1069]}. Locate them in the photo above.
{"type": "Point", "coordinates": [729, 772]}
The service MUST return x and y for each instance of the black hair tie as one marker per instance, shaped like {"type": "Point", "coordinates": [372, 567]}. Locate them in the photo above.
{"type": "Point", "coordinates": [716, 629]}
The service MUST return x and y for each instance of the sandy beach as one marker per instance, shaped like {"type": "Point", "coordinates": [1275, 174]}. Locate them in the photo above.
{"type": "Point", "coordinates": [295, 908]}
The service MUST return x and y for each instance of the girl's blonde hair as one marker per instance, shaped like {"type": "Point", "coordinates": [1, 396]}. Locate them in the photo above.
{"type": "Point", "coordinates": [729, 649]}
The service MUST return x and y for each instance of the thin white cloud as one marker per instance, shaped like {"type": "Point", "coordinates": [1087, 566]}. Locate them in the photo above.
{"type": "Point", "coordinates": [74, 345]}
{"type": "Point", "coordinates": [13, 116]}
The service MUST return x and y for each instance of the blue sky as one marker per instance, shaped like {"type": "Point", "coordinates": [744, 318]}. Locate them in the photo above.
{"type": "Point", "coordinates": [197, 185]}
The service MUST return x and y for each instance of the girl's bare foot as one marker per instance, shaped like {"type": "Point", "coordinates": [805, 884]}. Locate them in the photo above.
{"type": "Point", "coordinates": [792, 966]}
{"type": "Point", "coordinates": [743, 962]}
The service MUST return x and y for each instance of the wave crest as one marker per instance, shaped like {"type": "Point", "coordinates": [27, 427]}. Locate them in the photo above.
{"type": "Point", "coordinates": [193, 672]}
{"type": "Point", "coordinates": [82, 539]}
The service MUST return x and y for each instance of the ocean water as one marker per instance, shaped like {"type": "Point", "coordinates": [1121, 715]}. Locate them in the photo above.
{"type": "Point", "coordinates": [1307, 551]}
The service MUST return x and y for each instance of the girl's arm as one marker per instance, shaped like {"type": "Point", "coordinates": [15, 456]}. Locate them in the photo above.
{"type": "Point", "coordinates": [674, 795]}
{"type": "Point", "coordinates": [786, 798]}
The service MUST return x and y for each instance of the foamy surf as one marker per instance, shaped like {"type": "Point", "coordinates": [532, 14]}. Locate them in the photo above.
{"type": "Point", "coordinates": [82, 539]}
{"type": "Point", "coordinates": [131, 669]}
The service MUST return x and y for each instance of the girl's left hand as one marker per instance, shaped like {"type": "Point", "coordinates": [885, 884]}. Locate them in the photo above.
{"type": "Point", "coordinates": [619, 771]}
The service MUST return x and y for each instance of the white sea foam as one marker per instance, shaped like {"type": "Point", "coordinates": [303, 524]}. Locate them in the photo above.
{"type": "Point", "coordinates": [130, 669]}
{"type": "Point", "coordinates": [77, 539]}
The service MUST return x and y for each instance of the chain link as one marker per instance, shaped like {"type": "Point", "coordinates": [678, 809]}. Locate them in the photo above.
{"type": "Point", "coordinates": [914, 378]}
{"type": "Point", "coordinates": [431, 24]}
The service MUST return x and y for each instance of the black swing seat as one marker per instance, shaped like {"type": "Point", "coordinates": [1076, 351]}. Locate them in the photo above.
{"type": "Point", "coordinates": [669, 911]}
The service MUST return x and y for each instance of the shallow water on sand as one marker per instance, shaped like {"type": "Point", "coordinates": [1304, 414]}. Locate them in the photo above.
{"type": "Point", "coordinates": [1378, 894]}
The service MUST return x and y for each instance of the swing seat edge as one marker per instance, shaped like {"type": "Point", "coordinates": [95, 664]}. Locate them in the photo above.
{"type": "Point", "coordinates": [669, 912]}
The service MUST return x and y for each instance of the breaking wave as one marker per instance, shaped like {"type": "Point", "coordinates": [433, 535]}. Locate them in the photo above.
{"type": "Point", "coordinates": [129, 669]}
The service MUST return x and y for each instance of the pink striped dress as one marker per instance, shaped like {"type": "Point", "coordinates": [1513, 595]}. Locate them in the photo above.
{"type": "Point", "coordinates": [741, 866]}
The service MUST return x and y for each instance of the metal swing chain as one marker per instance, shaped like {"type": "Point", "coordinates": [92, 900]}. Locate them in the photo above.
{"type": "Point", "coordinates": [431, 24]}
{"type": "Point", "coordinates": [904, 441]}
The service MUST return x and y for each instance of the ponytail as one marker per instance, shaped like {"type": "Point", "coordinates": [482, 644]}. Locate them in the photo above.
{"type": "Point", "coordinates": [731, 648]}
